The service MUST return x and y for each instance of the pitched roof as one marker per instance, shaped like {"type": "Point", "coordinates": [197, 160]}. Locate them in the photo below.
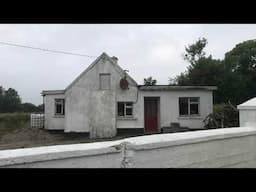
{"type": "Point", "coordinates": [121, 71]}
{"type": "Point", "coordinates": [250, 104]}
{"type": "Point", "coordinates": [103, 55]}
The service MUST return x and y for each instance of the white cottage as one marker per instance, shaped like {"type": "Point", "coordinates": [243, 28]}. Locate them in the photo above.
{"type": "Point", "coordinates": [104, 100]}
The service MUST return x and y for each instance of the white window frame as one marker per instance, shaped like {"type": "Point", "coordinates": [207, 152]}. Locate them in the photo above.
{"type": "Point", "coordinates": [125, 107]}
{"type": "Point", "coordinates": [59, 101]}
{"type": "Point", "coordinates": [191, 102]}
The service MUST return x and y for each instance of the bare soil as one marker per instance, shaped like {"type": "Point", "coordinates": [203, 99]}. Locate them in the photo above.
{"type": "Point", "coordinates": [23, 137]}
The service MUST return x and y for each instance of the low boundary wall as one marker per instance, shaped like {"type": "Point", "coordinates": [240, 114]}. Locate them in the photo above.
{"type": "Point", "coordinates": [216, 148]}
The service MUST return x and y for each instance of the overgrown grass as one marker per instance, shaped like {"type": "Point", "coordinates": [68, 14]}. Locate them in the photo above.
{"type": "Point", "coordinates": [13, 121]}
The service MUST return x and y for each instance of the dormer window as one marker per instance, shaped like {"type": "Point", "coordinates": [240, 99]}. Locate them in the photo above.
{"type": "Point", "coordinates": [104, 81]}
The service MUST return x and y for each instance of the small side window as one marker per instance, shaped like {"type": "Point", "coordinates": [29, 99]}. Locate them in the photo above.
{"type": "Point", "coordinates": [59, 107]}
{"type": "Point", "coordinates": [189, 105]}
{"type": "Point", "coordinates": [124, 109]}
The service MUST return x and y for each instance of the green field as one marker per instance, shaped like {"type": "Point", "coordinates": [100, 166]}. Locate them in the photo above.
{"type": "Point", "coordinates": [10, 122]}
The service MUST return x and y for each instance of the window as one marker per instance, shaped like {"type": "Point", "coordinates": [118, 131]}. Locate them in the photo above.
{"type": "Point", "coordinates": [124, 109]}
{"type": "Point", "coordinates": [59, 107]}
{"type": "Point", "coordinates": [189, 105]}
{"type": "Point", "coordinates": [104, 81]}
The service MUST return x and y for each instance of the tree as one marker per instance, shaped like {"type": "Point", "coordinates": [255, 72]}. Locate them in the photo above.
{"type": "Point", "coordinates": [240, 67]}
{"type": "Point", "coordinates": [235, 75]}
{"type": "Point", "coordinates": [40, 108]}
{"type": "Point", "coordinates": [203, 70]}
{"type": "Point", "coordinates": [10, 101]}
{"type": "Point", "coordinates": [199, 65]}
{"type": "Point", "coordinates": [242, 58]}
{"type": "Point", "coordinates": [181, 79]}
{"type": "Point", "coordinates": [150, 81]}
{"type": "Point", "coordinates": [28, 107]}
{"type": "Point", "coordinates": [206, 71]}
{"type": "Point", "coordinates": [195, 51]}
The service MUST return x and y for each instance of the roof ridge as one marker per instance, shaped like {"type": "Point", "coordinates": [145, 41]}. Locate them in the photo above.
{"type": "Point", "coordinates": [104, 54]}
{"type": "Point", "coordinates": [87, 69]}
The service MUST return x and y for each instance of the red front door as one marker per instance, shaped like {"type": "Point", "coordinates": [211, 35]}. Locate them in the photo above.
{"type": "Point", "coordinates": [151, 114]}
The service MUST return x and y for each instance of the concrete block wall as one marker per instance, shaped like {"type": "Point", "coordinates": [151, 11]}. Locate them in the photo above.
{"type": "Point", "coordinates": [228, 147]}
{"type": "Point", "coordinates": [92, 155]}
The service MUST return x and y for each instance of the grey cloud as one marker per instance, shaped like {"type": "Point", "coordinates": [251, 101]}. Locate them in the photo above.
{"type": "Point", "coordinates": [145, 50]}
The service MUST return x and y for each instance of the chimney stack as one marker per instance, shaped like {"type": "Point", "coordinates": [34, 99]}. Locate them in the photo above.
{"type": "Point", "coordinates": [115, 59]}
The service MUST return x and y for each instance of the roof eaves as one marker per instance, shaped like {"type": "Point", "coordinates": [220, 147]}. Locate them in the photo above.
{"type": "Point", "coordinates": [168, 87]}
{"type": "Point", "coordinates": [52, 92]}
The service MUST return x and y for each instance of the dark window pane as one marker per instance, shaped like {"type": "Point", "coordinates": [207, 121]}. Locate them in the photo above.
{"type": "Point", "coordinates": [183, 105]}
{"type": "Point", "coordinates": [194, 109]}
{"type": "Point", "coordinates": [58, 108]}
{"type": "Point", "coordinates": [63, 105]}
{"type": "Point", "coordinates": [128, 111]}
{"type": "Point", "coordinates": [194, 99]}
{"type": "Point", "coordinates": [120, 109]}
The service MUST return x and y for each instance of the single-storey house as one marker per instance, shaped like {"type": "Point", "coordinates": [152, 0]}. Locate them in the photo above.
{"type": "Point", "coordinates": [104, 100]}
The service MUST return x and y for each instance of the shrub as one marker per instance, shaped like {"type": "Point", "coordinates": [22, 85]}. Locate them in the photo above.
{"type": "Point", "coordinates": [224, 115]}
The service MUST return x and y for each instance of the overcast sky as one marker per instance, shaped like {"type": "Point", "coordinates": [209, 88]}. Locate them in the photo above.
{"type": "Point", "coordinates": [143, 49]}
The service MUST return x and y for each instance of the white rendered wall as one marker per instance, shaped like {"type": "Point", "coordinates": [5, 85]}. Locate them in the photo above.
{"type": "Point", "coordinates": [169, 109]}
{"type": "Point", "coordinates": [247, 113]}
{"type": "Point", "coordinates": [247, 117]}
{"type": "Point", "coordinates": [89, 109]}
{"type": "Point", "coordinates": [83, 107]}
{"type": "Point", "coordinates": [53, 122]}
